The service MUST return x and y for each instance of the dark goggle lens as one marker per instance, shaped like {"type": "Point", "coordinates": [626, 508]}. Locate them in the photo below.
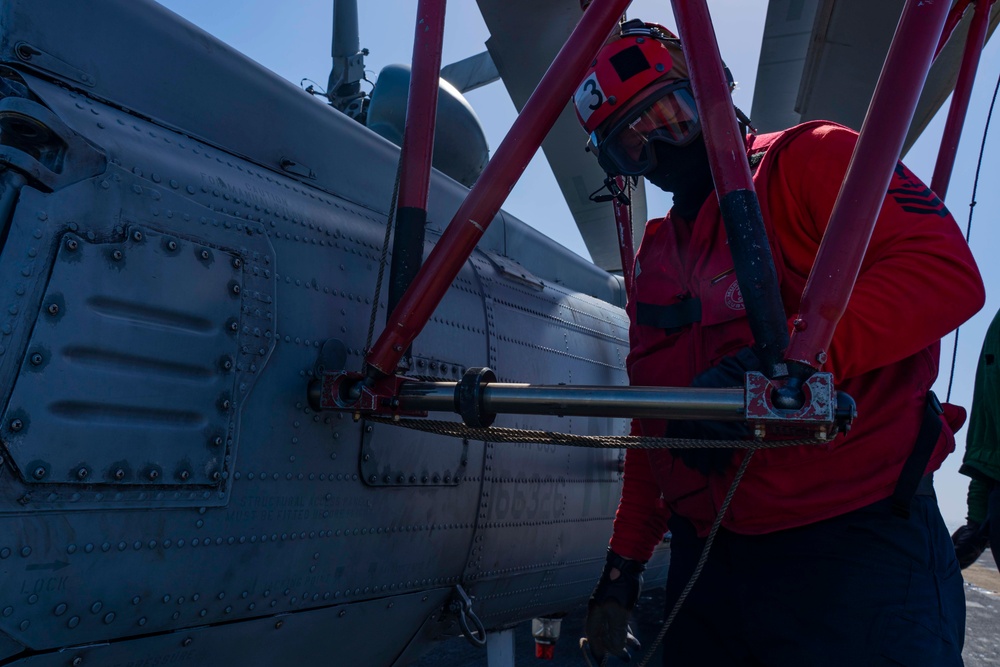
{"type": "Point", "coordinates": [671, 118]}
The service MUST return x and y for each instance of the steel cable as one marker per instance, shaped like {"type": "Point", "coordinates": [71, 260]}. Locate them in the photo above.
{"type": "Point", "coordinates": [389, 222]}
{"type": "Point", "coordinates": [968, 226]}
{"type": "Point", "coordinates": [512, 435]}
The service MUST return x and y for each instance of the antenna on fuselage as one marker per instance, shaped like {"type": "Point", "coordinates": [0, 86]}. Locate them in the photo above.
{"type": "Point", "coordinates": [344, 86]}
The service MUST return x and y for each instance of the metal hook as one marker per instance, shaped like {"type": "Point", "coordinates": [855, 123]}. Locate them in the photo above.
{"type": "Point", "coordinates": [585, 651]}
{"type": "Point", "coordinates": [462, 607]}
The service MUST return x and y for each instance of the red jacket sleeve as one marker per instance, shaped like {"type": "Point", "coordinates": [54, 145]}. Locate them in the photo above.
{"type": "Point", "coordinates": [641, 520]}
{"type": "Point", "coordinates": [918, 280]}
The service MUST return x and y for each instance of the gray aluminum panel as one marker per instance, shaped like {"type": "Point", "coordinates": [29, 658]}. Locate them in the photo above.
{"type": "Point", "coordinates": [98, 40]}
{"type": "Point", "coordinates": [299, 527]}
{"type": "Point", "coordinates": [133, 571]}
{"type": "Point", "coordinates": [117, 339]}
{"type": "Point", "coordinates": [285, 639]}
{"type": "Point", "coordinates": [124, 324]}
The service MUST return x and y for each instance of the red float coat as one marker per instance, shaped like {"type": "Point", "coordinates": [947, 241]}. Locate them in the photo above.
{"type": "Point", "coordinates": [918, 281]}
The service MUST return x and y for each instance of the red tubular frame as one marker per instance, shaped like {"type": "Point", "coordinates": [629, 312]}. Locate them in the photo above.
{"type": "Point", "coordinates": [726, 147]}
{"type": "Point", "coordinates": [960, 99]}
{"type": "Point", "coordinates": [954, 17]}
{"type": "Point", "coordinates": [417, 148]}
{"type": "Point", "coordinates": [623, 221]}
{"type": "Point", "coordinates": [494, 184]}
{"type": "Point", "coordinates": [835, 271]}
{"type": "Point", "coordinates": [738, 204]}
{"type": "Point", "coordinates": [421, 105]}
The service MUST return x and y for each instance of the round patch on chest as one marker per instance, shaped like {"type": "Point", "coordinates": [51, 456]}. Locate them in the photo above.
{"type": "Point", "coordinates": [734, 297]}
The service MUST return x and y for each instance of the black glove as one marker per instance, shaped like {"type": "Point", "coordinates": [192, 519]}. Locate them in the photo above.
{"type": "Point", "coordinates": [609, 607]}
{"type": "Point", "coordinates": [730, 372]}
{"type": "Point", "coordinates": [970, 541]}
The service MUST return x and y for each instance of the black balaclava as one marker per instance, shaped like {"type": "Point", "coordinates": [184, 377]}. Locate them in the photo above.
{"type": "Point", "coordinates": [684, 171]}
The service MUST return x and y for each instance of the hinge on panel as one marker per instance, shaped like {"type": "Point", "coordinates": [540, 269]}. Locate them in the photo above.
{"type": "Point", "coordinates": [46, 61]}
{"type": "Point", "coordinates": [36, 143]}
{"type": "Point", "coordinates": [293, 167]}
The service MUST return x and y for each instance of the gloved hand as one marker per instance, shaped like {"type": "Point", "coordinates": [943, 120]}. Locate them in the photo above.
{"type": "Point", "coordinates": [609, 607]}
{"type": "Point", "coordinates": [970, 541]}
{"type": "Point", "coordinates": [729, 372]}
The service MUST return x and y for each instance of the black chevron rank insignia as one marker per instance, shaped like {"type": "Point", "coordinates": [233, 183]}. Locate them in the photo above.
{"type": "Point", "coordinates": [913, 196]}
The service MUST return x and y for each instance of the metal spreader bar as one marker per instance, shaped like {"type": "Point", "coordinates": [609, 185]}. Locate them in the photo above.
{"type": "Point", "coordinates": [479, 398]}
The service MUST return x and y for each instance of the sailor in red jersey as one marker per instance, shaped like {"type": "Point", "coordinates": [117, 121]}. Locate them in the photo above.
{"type": "Point", "coordinates": [825, 557]}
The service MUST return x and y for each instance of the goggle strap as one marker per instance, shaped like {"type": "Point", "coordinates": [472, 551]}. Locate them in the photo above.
{"type": "Point", "coordinates": [745, 120]}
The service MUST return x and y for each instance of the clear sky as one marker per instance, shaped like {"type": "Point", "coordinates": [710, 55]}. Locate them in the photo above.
{"type": "Point", "coordinates": [293, 40]}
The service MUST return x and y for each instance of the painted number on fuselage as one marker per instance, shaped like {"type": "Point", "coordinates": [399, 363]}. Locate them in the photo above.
{"type": "Point", "coordinates": [526, 501]}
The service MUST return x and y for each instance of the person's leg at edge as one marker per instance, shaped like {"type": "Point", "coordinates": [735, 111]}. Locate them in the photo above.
{"type": "Point", "coordinates": [864, 588]}
{"type": "Point", "coordinates": [993, 518]}
{"type": "Point", "coordinates": [703, 634]}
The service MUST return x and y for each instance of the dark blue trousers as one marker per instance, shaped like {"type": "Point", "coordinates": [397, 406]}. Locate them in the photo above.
{"type": "Point", "coordinates": [864, 588]}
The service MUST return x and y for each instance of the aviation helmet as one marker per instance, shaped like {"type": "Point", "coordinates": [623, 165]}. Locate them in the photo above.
{"type": "Point", "coordinates": [635, 93]}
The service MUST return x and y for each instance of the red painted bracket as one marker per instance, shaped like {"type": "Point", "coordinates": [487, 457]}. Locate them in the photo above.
{"type": "Point", "coordinates": [349, 392]}
{"type": "Point", "coordinates": [823, 413]}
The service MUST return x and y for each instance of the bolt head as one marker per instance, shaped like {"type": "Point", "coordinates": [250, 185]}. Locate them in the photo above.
{"type": "Point", "coordinates": [236, 289]}
{"type": "Point", "coordinates": [77, 661]}
{"type": "Point", "coordinates": [153, 475]}
{"type": "Point", "coordinates": [53, 309]}
{"type": "Point", "coordinates": [237, 262]}
{"type": "Point", "coordinates": [217, 441]}
{"type": "Point", "coordinates": [39, 472]}
{"type": "Point", "coordinates": [234, 326]}
{"type": "Point", "coordinates": [137, 236]}
{"type": "Point", "coordinates": [117, 255]}
{"type": "Point", "coordinates": [82, 473]}
{"type": "Point", "coordinates": [119, 474]}
{"type": "Point", "coordinates": [184, 474]}
{"type": "Point", "coordinates": [16, 425]}
{"type": "Point", "coordinates": [205, 254]}
{"type": "Point", "coordinates": [216, 476]}
{"type": "Point", "coordinates": [821, 357]}
{"type": "Point", "coordinates": [171, 245]}
{"type": "Point", "coordinates": [36, 359]}
{"type": "Point", "coordinates": [72, 244]}
{"type": "Point", "coordinates": [226, 404]}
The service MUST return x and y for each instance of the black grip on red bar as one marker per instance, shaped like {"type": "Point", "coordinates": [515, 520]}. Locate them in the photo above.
{"type": "Point", "coordinates": [407, 252]}
{"type": "Point", "coordinates": [757, 278]}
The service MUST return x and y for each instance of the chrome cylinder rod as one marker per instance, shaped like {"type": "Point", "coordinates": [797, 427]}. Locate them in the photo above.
{"type": "Point", "coordinates": [635, 402]}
